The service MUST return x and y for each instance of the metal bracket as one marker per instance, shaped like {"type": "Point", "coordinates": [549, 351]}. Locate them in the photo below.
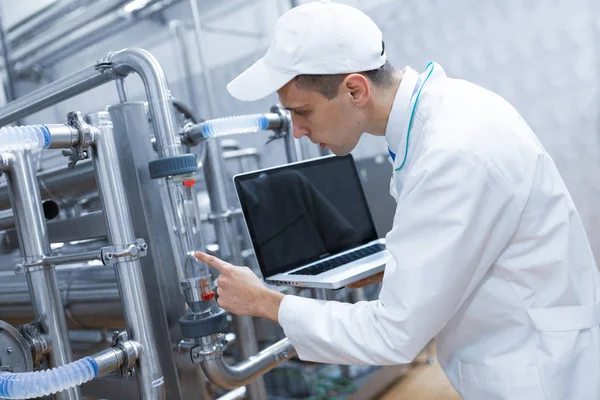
{"type": "Point", "coordinates": [130, 349]}
{"type": "Point", "coordinates": [86, 137]}
{"type": "Point", "coordinates": [132, 251]}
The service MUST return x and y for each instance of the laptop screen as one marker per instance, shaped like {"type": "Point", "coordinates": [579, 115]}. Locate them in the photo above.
{"type": "Point", "coordinates": [299, 213]}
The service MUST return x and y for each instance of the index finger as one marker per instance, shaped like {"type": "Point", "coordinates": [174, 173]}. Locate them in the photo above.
{"type": "Point", "coordinates": [212, 261]}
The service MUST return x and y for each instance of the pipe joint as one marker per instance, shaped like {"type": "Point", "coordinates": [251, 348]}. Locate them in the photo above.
{"type": "Point", "coordinates": [233, 376]}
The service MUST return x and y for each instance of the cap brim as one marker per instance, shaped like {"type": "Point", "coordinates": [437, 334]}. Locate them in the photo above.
{"type": "Point", "coordinates": [258, 82]}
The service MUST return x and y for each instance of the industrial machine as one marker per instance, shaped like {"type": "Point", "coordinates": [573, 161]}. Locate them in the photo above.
{"type": "Point", "coordinates": [101, 249]}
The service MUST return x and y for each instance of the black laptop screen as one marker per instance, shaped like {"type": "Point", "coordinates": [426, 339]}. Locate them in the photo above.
{"type": "Point", "coordinates": [300, 213]}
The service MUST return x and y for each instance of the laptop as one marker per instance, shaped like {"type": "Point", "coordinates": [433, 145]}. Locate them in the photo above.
{"type": "Point", "coordinates": [309, 223]}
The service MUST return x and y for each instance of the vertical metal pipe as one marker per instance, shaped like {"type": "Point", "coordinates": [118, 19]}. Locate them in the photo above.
{"type": "Point", "coordinates": [129, 273]}
{"type": "Point", "coordinates": [121, 90]}
{"type": "Point", "coordinates": [24, 193]}
{"type": "Point", "coordinates": [228, 248]}
{"type": "Point", "coordinates": [177, 29]}
{"type": "Point", "coordinates": [10, 86]}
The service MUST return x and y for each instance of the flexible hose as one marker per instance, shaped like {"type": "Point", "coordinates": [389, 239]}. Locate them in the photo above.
{"type": "Point", "coordinates": [234, 125]}
{"type": "Point", "coordinates": [30, 385]}
{"type": "Point", "coordinates": [28, 137]}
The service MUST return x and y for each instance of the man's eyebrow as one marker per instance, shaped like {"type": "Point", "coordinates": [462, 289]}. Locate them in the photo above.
{"type": "Point", "coordinates": [295, 108]}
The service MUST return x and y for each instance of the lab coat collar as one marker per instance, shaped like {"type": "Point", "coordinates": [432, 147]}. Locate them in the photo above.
{"type": "Point", "coordinates": [397, 126]}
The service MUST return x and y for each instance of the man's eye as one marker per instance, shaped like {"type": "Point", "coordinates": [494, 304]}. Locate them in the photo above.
{"type": "Point", "coordinates": [300, 113]}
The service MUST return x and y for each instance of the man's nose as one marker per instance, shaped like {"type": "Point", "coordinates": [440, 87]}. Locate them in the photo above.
{"type": "Point", "coordinates": [299, 130]}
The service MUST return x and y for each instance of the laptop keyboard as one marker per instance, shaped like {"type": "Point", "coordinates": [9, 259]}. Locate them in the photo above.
{"type": "Point", "coordinates": [340, 260]}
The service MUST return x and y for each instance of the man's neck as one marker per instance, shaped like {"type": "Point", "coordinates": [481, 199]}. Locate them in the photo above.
{"type": "Point", "coordinates": [381, 106]}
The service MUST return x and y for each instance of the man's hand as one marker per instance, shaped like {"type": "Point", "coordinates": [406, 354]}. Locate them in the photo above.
{"type": "Point", "coordinates": [367, 281]}
{"type": "Point", "coordinates": [241, 292]}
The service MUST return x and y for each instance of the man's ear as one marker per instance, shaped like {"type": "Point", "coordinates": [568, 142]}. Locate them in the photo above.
{"type": "Point", "coordinates": [357, 86]}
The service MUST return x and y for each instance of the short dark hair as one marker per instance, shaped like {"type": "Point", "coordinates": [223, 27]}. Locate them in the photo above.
{"type": "Point", "coordinates": [329, 85]}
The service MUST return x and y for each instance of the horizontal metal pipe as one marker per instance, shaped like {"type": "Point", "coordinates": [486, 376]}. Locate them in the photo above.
{"type": "Point", "coordinates": [76, 19]}
{"type": "Point", "coordinates": [63, 136]}
{"type": "Point", "coordinates": [40, 20]}
{"type": "Point", "coordinates": [109, 360]}
{"type": "Point", "coordinates": [231, 377]}
{"type": "Point", "coordinates": [102, 29]}
{"type": "Point", "coordinates": [90, 296]}
{"type": "Point", "coordinates": [73, 258]}
{"type": "Point", "coordinates": [62, 89]}
{"type": "Point", "coordinates": [60, 184]}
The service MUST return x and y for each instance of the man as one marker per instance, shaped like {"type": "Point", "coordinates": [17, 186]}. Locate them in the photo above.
{"type": "Point", "coordinates": [490, 255]}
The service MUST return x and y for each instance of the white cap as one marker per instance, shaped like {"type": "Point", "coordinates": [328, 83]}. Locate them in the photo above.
{"type": "Point", "coordinates": [314, 38]}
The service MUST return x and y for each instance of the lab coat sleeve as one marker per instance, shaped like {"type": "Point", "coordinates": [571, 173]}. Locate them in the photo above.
{"type": "Point", "coordinates": [454, 216]}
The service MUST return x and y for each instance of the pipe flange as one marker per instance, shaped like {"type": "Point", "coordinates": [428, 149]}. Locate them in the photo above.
{"type": "Point", "coordinates": [131, 350]}
{"type": "Point", "coordinates": [15, 351]}
{"type": "Point", "coordinates": [87, 135]}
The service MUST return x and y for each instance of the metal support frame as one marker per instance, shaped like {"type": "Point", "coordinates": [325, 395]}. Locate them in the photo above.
{"type": "Point", "coordinates": [31, 227]}
{"type": "Point", "coordinates": [183, 380]}
{"type": "Point", "coordinates": [129, 272]}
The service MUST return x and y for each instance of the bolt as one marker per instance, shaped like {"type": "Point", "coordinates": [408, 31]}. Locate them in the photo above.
{"type": "Point", "coordinates": [9, 350]}
{"type": "Point", "coordinates": [133, 250]}
{"type": "Point", "coordinates": [195, 355]}
{"type": "Point", "coordinates": [129, 373]}
{"type": "Point", "coordinates": [109, 255]}
{"type": "Point", "coordinates": [144, 246]}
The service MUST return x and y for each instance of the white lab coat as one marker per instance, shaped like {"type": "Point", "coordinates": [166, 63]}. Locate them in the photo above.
{"type": "Point", "coordinates": [490, 258]}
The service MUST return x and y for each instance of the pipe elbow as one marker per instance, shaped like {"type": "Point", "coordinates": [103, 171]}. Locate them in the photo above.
{"type": "Point", "coordinates": [234, 376]}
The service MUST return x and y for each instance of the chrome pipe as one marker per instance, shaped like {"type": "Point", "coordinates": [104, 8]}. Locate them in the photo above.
{"type": "Point", "coordinates": [109, 361]}
{"type": "Point", "coordinates": [63, 136]}
{"type": "Point", "coordinates": [71, 22]}
{"type": "Point", "coordinates": [100, 30]}
{"type": "Point", "coordinates": [158, 95]}
{"type": "Point", "coordinates": [177, 30]}
{"type": "Point", "coordinates": [129, 273]}
{"type": "Point", "coordinates": [62, 89]}
{"type": "Point", "coordinates": [89, 295]}
{"type": "Point", "coordinates": [121, 90]}
{"type": "Point", "coordinates": [40, 19]}
{"type": "Point", "coordinates": [6, 50]}
{"type": "Point", "coordinates": [231, 377]}
{"type": "Point", "coordinates": [33, 238]}
{"type": "Point", "coordinates": [60, 184]}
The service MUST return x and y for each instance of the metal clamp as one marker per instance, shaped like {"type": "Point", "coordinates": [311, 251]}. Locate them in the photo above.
{"type": "Point", "coordinates": [284, 127]}
{"type": "Point", "coordinates": [86, 137]}
{"type": "Point", "coordinates": [227, 215]}
{"type": "Point", "coordinates": [37, 341]}
{"type": "Point", "coordinates": [132, 251]}
{"type": "Point", "coordinates": [131, 349]}
{"type": "Point", "coordinates": [210, 348]}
